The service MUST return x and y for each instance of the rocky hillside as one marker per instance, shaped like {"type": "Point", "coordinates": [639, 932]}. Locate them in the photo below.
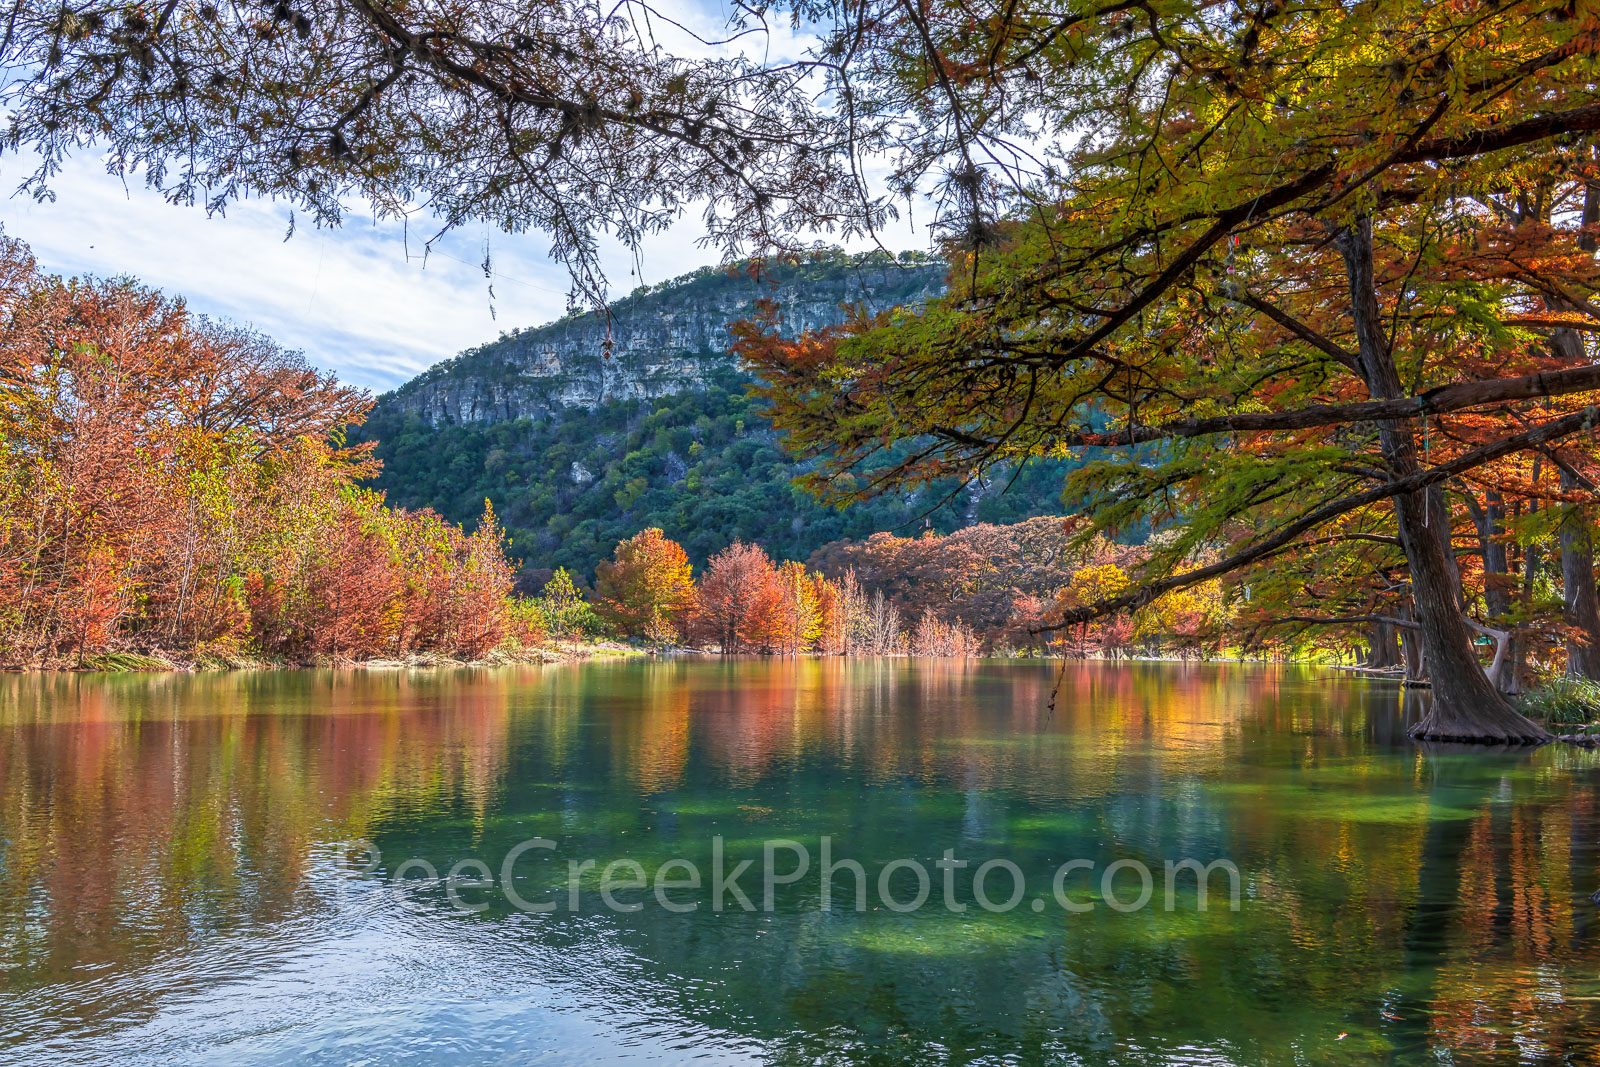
{"type": "Point", "coordinates": [664, 340]}
{"type": "Point", "coordinates": [578, 451]}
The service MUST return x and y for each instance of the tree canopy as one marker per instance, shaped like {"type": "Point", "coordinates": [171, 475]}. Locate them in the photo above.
{"type": "Point", "coordinates": [1306, 264]}
{"type": "Point", "coordinates": [1306, 271]}
{"type": "Point", "coordinates": [567, 118]}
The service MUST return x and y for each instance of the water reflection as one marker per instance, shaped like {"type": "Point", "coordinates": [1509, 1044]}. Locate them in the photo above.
{"type": "Point", "coordinates": [177, 876]}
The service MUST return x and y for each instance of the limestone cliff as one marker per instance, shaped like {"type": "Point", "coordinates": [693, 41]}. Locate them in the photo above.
{"type": "Point", "coordinates": [664, 339]}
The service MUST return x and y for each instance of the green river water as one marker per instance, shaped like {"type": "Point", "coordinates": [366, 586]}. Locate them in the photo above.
{"type": "Point", "coordinates": [253, 868]}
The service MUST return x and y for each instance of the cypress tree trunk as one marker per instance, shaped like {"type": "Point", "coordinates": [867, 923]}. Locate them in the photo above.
{"type": "Point", "coordinates": [1412, 656]}
{"type": "Point", "coordinates": [1465, 706]}
{"type": "Point", "coordinates": [1383, 654]}
{"type": "Point", "coordinates": [1580, 602]}
{"type": "Point", "coordinates": [1531, 566]}
{"type": "Point", "coordinates": [1494, 558]}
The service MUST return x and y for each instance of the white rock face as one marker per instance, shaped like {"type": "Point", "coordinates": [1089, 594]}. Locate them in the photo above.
{"type": "Point", "coordinates": [666, 341]}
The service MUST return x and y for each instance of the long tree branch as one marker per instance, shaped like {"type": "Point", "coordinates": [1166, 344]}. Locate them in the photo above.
{"type": "Point", "coordinates": [1299, 329]}
{"type": "Point", "coordinates": [1443, 399]}
{"type": "Point", "coordinates": [1284, 539]}
{"type": "Point", "coordinates": [1334, 620]}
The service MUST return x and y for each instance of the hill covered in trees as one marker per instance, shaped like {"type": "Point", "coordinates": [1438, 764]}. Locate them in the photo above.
{"type": "Point", "coordinates": [579, 449]}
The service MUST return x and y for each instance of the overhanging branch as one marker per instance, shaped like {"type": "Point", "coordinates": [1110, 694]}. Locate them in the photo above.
{"type": "Point", "coordinates": [1284, 539]}
{"type": "Point", "coordinates": [1334, 620]}
{"type": "Point", "coordinates": [1445, 398]}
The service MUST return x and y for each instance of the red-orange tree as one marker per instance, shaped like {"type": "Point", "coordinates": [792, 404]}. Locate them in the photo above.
{"type": "Point", "coordinates": [170, 485]}
{"type": "Point", "coordinates": [737, 591]}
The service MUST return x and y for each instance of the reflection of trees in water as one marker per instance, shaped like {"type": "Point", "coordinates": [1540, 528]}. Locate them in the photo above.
{"type": "Point", "coordinates": [1499, 915]}
{"type": "Point", "coordinates": [143, 812]}
{"type": "Point", "coordinates": [1410, 899]}
{"type": "Point", "coordinates": [1305, 780]}
{"type": "Point", "coordinates": [893, 718]}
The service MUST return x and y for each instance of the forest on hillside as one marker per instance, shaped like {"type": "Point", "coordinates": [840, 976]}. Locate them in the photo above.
{"type": "Point", "coordinates": [705, 466]}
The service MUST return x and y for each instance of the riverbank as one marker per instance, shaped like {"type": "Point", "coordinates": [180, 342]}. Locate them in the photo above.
{"type": "Point", "coordinates": [157, 660]}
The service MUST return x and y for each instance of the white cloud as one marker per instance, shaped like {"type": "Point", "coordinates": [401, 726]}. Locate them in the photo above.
{"type": "Point", "coordinates": [352, 299]}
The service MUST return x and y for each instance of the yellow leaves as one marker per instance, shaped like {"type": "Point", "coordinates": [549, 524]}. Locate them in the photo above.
{"type": "Point", "coordinates": [1095, 583]}
{"type": "Point", "coordinates": [1183, 614]}
{"type": "Point", "coordinates": [647, 586]}
{"type": "Point", "coordinates": [1183, 611]}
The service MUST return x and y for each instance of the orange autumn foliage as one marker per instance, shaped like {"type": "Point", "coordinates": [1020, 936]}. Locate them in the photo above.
{"type": "Point", "coordinates": [733, 594]}
{"type": "Point", "coordinates": [169, 484]}
{"type": "Point", "coordinates": [647, 587]}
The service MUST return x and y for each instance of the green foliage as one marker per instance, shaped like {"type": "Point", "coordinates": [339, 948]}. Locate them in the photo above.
{"type": "Point", "coordinates": [564, 613]}
{"type": "Point", "coordinates": [1563, 702]}
{"type": "Point", "coordinates": [526, 621]}
{"type": "Point", "coordinates": [125, 661]}
{"type": "Point", "coordinates": [706, 467]}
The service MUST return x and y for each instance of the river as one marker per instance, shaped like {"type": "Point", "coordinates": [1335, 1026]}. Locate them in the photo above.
{"type": "Point", "coordinates": [370, 867]}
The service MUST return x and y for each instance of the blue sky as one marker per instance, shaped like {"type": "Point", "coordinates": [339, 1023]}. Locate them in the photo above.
{"type": "Point", "coordinates": [351, 298]}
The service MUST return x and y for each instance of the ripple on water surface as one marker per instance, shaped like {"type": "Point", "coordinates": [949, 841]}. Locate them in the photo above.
{"type": "Point", "coordinates": [186, 871]}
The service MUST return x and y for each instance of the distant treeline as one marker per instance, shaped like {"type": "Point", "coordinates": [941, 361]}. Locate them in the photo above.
{"type": "Point", "coordinates": [744, 602]}
{"type": "Point", "coordinates": [1003, 583]}
{"type": "Point", "coordinates": [984, 588]}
